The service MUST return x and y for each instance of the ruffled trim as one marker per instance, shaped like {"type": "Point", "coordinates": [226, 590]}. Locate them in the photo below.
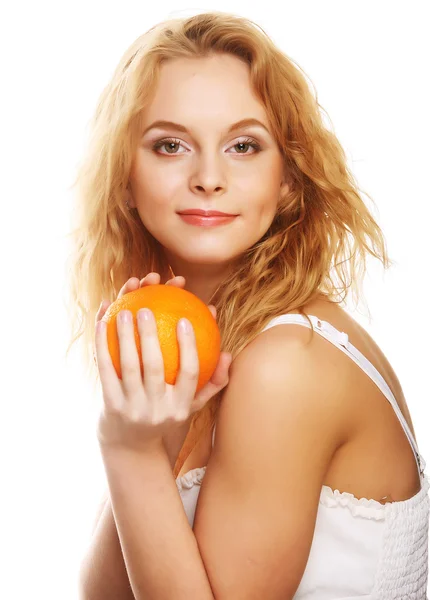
{"type": "Point", "coordinates": [191, 478]}
{"type": "Point", "coordinates": [369, 508]}
{"type": "Point", "coordinates": [363, 507]}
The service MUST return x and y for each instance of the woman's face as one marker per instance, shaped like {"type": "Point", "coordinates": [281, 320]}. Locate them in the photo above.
{"type": "Point", "coordinates": [207, 166]}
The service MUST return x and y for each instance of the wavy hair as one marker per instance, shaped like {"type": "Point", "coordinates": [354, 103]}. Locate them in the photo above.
{"type": "Point", "coordinates": [319, 238]}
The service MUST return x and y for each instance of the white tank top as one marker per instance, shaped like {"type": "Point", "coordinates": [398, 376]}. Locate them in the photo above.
{"type": "Point", "coordinates": [361, 549]}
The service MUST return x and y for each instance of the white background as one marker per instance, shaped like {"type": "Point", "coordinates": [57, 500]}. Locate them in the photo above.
{"type": "Point", "coordinates": [369, 63]}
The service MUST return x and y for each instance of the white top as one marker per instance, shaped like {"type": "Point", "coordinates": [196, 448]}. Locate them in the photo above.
{"type": "Point", "coordinates": [361, 549]}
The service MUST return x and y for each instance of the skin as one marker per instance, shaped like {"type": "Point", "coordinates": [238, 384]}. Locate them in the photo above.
{"type": "Point", "coordinates": [206, 168]}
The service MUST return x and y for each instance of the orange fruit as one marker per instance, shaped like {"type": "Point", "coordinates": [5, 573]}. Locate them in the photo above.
{"type": "Point", "coordinates": [168, 304]}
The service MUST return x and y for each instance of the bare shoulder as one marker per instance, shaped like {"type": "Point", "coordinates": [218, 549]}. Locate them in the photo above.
{"type": "Point", "coordinates": [358, 337]}
{"type": "Point", "coordinates": [325, 357]}
{"type": "Point", "coordinates": [314, 357]}
{"type": "Point", "coordinates": [290, 353]}
{"type": "Point", "coordinates": [361, 339]}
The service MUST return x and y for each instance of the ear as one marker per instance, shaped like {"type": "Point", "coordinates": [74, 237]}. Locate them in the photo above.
{"type": "Point", "coordinates": [286, 183]}
{"type": "Point", "coordinates": [285, 186]}
{"type": "Point", "coordinates": [128, 197]}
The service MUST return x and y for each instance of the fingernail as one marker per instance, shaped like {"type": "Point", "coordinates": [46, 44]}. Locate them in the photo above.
{"type": "Point", "coordinates": [185, 325]}
{"type": "Point", "coordinates": [144, 315]}
{"type": "Point", "coordinates": [125, 316]}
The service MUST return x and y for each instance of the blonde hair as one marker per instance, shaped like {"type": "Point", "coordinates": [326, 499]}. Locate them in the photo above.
{"type": "Point", "coordinates": [316, 244]}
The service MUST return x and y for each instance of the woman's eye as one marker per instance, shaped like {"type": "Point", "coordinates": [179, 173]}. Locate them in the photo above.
{"type": "Point", "coordinates": [242, 145]}
{"type": "Point", "coordinates": [166, 142]}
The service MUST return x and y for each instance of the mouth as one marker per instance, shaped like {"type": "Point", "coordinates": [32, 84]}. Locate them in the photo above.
{"type": "Point", "coordinates": [205, 213]}
{"type": "Point", "coordinates": [203, 221]}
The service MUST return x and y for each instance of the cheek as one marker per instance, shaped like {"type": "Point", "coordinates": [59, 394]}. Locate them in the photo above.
{"type": "Point", "coordinates": [153, 195]}
{"type": "Point", "coordinates": [156, 207]}
{"type": "Point", "coordinates": [160, 193]}
{"type": "Point", "coordinates": [266, 207]}
{"type": "Point", "coordinates": [154, 211]}
{"type": "Point", "coordinates": [150, 183]}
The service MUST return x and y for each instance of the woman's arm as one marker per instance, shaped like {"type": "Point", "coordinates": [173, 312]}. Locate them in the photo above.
{"type": "Point", "coordinates": [159, 547]}
{"type": "Point", "coordinates": [103, 575]}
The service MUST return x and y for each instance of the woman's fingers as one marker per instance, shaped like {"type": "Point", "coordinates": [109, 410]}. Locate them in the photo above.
{"type": "Point", "coordinates": [134, 283]}
{"type": "Point", "coordinates": [129, 286]}
{"type": "Point", "coordinates": [177, 281]}
{"type": "Point", "coordinates": [212, 308]}
{"type": "Point", "coordinates": [150, 279]}
{"type": "Point", "coordinates": [101, 311]}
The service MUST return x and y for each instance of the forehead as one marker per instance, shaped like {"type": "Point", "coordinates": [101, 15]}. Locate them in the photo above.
{"type": "Point", "coordinates": [215, 90]}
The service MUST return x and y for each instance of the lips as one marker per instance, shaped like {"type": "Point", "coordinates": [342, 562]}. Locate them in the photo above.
{"type": "Point", "coordinates": [205, 213]}
{"type": "Point", "coordinates": [203, 221]}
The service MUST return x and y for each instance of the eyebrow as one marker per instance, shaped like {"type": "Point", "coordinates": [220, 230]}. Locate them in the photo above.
{"type": "Point", "coordinates": [178, 127]}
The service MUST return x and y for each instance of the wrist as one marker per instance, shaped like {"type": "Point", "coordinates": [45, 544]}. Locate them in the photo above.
{"type": "Point", "coordinates": [122, 451]}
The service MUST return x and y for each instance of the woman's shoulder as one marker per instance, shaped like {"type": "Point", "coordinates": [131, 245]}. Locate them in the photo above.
{"type": "Point", "coordinates": [316, 358]}
{"type": "Point", "coordinates": [298, 335]}
{"type": "Point", "coordinates": [314, 367]}
{"type": "Point", "coordinates": [361, 339]}
{"type": "Point", "coordinates": [356, 378]}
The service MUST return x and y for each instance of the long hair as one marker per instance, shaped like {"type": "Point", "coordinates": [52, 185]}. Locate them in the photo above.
{"type": "Point", "coordinates": [319, 238]}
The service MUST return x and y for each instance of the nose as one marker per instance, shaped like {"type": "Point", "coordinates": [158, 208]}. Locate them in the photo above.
{"type": "Point", "coordinates": [208, 176]}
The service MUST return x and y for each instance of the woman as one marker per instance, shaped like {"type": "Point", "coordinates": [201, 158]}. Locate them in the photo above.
{"type": "Point", "coordinates": [304, 482]}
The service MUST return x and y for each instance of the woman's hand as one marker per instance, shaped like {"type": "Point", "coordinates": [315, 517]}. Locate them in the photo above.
{"type": "Point", "coordinates": [139, 413]}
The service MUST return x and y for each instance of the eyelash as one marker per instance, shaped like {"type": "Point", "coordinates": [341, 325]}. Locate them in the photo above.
{"type": "Point", "coordinates": [248, 142]}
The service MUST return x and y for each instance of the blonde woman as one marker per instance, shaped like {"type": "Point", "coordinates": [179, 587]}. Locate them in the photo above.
{"type": "Point", "coordinates": [295, 473]}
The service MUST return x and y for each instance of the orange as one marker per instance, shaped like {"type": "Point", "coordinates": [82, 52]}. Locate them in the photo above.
{"type": "Point", "coordinates": [168, 304]}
